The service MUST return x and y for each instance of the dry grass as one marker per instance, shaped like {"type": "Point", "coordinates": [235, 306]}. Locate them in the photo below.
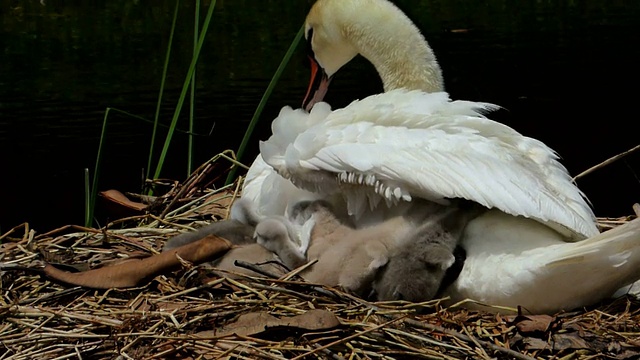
{"type": "Point", "coordinates": [186, 314]}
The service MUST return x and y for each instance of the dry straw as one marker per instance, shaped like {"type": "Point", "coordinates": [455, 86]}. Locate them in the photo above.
{"type": "Point", "coordinates": [191, 314]}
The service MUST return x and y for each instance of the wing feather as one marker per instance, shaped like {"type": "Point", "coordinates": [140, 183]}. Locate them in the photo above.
{"type": "Point", "coordinates": [404, 144]}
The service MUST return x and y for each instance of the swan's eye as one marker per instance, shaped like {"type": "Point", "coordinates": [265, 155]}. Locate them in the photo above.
{"type": "Point", "coordinates": [309, 46]}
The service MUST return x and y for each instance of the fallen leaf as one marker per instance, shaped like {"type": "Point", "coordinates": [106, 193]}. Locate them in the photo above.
{"type": "Point", "coordinates": [531, 343]}
{"type": "Point", "coordinates": [133, 272]}
{"type": "Point", "coordinates": [530, 324]}
{"type": "Point", "coordinates": [558, 342]}
{"type": "Point", "coordinates": [628, 354]}
{"type": "Point", "coordinates": [258, 322]}
{"type": "Point", "coordinates": [118, 205]}
{"type": "Point", "coordinates": [569, 341]}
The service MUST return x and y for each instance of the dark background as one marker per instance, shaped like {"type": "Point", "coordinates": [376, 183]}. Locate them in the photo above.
{"type": "Point", "coordinates": [566, 72]}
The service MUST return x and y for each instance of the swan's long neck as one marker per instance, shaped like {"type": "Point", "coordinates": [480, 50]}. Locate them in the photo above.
{"type": "Point", "coordinates": [409, 63]}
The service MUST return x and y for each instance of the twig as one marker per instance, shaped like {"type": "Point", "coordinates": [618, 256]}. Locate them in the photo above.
{"type": "Point", "coordinates": [283, 290]}
{"type": "Point", "coordinates": [63, 228]}
{"type": "Point", "coordinates": [329, 353]}
{"type": "Point", "coordinates": [24, 225]}
{"type": "Point", "coordinates": [349, 338]}
{"type": "Point", "coordinates": [255, 268]}
{"type": "Point", "coordinates": [463, 337]}
{"type": "Point", "coordinates": [183, 190]}
{"type": "Point", "coordinates": [606, 162]}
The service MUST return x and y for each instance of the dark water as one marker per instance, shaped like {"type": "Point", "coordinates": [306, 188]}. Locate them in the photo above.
{"type": "Point", "coordinates": [566, 72]}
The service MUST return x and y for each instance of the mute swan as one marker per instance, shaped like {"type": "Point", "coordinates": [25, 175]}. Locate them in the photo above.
{"type": "Point", "coordinates": [376, 155]}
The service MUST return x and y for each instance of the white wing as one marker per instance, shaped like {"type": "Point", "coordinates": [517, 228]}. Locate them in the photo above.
{"type": "Point", "coordinates": [270, 193]}
{"type": "Point", "coordinates": [403, 144]}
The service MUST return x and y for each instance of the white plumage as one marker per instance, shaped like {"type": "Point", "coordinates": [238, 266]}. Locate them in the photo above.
{"type": "Point", "coordinates": [404, 144]}
{"type": "Point", "coordinates": [375, 155]}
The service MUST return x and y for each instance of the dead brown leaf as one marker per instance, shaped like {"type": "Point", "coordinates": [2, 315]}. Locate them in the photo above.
{"type": "Point", "coordinates": [569, 341]}
{"type": "Point", "coordinates": [133, 272]}
{"type": "Point", "coordinates": [557, 343]}
{"type": "Point", "coordinates": [531, 343]}
{"type": "Point", "coordinates": [119, 206]}
{"type": "Point", "coordinates": [532, 324]}
{"type": "Point", "coordinates": [121, 199]}
{"type": "Point", "coordinates": [258, 322]}
{"type": "Point", "coordinates": [628, 355]}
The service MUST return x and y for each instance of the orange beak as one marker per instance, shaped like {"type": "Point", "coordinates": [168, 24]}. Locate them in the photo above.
{"type": "Point", "coordinates": [318, 85]}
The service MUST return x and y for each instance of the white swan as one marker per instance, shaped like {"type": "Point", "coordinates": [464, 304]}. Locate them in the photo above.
{"type": "Point", "coordinates": [378, 153]}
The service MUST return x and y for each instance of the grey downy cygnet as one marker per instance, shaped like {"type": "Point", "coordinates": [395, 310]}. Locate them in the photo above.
{"type": "Point", "coordinates": [277, 234]}
{"type": "Point", "coordinates": [238, 229]}
{"type": "Point", "coordinates": [420, 268]}
{"type": "Point", "coordinates": [349, 257]}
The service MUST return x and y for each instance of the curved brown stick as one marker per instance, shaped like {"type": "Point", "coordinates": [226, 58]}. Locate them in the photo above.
{"type": "Point", "coordinates": [133, 272]}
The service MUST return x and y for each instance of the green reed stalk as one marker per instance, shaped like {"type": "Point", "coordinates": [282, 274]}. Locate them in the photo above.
{"type": "Point", "coordinates": [87, 200]}
{"type": "Point", "coordinates": [96, 173]}
{"type": "Point", "coordinates": [162, 82]}
{"type": "Point", "coordinates": [185, 88]}
{"type": "Point", "coordinates": [193, 90]}
{"type": "Point", "coordinates": [90, 206]}
{"type": "Point", "coordinates": [263, 101]}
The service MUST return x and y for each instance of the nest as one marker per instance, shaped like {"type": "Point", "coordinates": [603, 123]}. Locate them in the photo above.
{"type": "Point", "coordinates": [189, 313]}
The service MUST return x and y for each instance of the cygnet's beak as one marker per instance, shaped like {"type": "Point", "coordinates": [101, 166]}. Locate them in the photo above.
{"type": "Point", "coordinates": [318, 85]}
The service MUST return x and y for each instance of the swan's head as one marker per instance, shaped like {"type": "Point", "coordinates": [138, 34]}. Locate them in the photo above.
{"type": "Point", "coordinates": [338, 30]}
{"type": "Point", "coordinates": [328, 48]}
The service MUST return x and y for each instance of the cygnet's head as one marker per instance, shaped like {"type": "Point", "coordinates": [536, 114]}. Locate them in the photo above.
{"type": "Point", "coordinates": [302, 211]}
{"type": "Point", "coordinates": [413, 274]}
{"type": "Point", "coordinates": [271, 233]}
{"type": "Point", "coordinates": [276, 235]}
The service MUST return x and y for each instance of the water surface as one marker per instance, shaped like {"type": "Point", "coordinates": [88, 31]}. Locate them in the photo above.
{"type": "Point", "coordinates": [565, 72]}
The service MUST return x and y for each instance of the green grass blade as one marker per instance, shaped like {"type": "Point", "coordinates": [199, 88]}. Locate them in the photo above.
{"type": "Point", "coordinates": [87, 199]}
{"type": "Point", "coordinates": [137, 117]}
{"type": "Point", "coordinates": [263, 101]}
{"type": "Point", "coordinates": [96, 172]}
{"type": "Point", "coordinates": [162, 83]}
{"type": "Point", "coordinates": [193, 89]}
{"type": "Point", "coordinates": [185, 88]}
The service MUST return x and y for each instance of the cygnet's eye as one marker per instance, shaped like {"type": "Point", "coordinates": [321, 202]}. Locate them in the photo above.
{"type": "Point", "coordinates": [432, 268]}
{"type": "Point", "coordinates": [373, 296]}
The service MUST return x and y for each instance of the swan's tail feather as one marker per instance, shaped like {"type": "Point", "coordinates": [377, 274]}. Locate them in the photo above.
{"type": "Point", "coordinates": [599, 266]}
{"type": "Point", "coordinates": [619, 246]}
